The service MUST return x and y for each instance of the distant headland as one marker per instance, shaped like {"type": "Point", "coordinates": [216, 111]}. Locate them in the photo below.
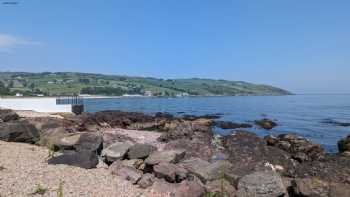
{"type": "Point", "coordinates": [73, 83]}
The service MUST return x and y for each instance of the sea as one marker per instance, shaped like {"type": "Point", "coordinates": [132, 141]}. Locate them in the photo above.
{"type": "Point", "coordinates": [307, 115]}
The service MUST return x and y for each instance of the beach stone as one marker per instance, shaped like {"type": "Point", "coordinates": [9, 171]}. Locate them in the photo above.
{"type": "Point", "coordinates": [136, 163]}
{"type": "Point", "coordinates": [8, 115]}
{"type": "Point", "coordinates": [116, 151]}
{"type": "Point", "coordinates": [266, 123]}
{"type": "Point", "coordinates": [20, 131]}
{"type": "Point", "coordinates": [83, 159]}
{"type": "Point", "coordinates": [261, 184]}
{"type": "Point", "coordinates": [206, 171]}
{"type": "Point", "coordinates": [170, 172]}
{"type": "Point", "coordinates": [140, 151]}
{"type": "Point", "coordinates": [170, 156]}
{"type": "Point", "coordinates": [221, 187]}
{"type": "Point", "coordinates": [146, 180]}
{"type": "Point", "coordinates": [129, 173]}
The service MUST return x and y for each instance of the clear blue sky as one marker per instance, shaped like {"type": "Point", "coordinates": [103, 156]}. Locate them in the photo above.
{"type": "Point", "coordinates": [302, 46]}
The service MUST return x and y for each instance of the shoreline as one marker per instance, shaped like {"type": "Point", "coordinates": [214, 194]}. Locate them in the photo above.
{"type": "Point", "coordinates": [157, 155]}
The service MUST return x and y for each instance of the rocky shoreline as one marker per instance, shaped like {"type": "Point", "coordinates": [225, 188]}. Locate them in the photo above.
{"type": "Point", "coordinates": [163, 155]}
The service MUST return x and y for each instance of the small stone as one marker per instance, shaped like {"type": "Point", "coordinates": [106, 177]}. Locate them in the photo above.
{"type": "Point", "coordinates": [146, 180]}
{"type": "Point", "coordinates": [129, 173]}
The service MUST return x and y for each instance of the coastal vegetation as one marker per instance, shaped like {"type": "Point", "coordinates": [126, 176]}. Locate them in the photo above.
{"type": "Point", "coordinates": [69, 83]}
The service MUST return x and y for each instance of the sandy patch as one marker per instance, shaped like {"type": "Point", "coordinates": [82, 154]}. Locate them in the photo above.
{"type": "Point", "coordinates": [24, 166]}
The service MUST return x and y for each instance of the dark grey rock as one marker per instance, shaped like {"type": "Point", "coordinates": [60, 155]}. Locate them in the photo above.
{"type": "Point", "coordinates": [20, 131]}
{"type": "Point", "coordinates": [140, 151]}
{"type": "Point", "coordinates": [8, 115]}
{"type": "Point", "coordinates": [83, 159]}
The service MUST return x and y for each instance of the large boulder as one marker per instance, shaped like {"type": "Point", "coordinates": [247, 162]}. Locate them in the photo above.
{"type": "Point", "coordinates": [8, 115]}
{"type": "Point", "coordinates": [20, 131]}
{"type": "Point", "coordinates": [170, 156]}
{"type": "Point", "coordinates": [266, 123]}
{"type": "Point", "coordinates": [140, 151]}
{"type": "Point", "coordinates": [261, 184]}
{"type": "Point", "coordinates": [248, 152]}
{"type": "Point", "coordinates": [83, 159]}
{"type": "Point", "coordinates": [206, 171]}
{"type": "Point", "coordinates": [170, 172]}
{"type": "Point", "coordinates": [344, 144]}
{"type": "Point", "coordinates": [300, 148]}
{"type": "Point", "coordinates": [87, 141]}
{"type": "Point", "coordinates": [200, 145]}
{"type": "Point", "coordinates": [116, 151]}
{"type": "Point", "coordinates": [180, 129]}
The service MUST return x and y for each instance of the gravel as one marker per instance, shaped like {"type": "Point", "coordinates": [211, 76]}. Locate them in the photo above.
{"type": "Point", "coordinates": [23, 167]}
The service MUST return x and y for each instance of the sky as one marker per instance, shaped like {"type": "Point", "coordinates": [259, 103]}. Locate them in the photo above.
{"type": "Point", "coordinates": [301, 46]}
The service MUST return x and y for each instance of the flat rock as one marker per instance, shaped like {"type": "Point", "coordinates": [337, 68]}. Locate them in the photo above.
{"type": "Point", "coordinates": [170, 156]}
{"type": "Point", "coordinates": [140, 151]}
{"type": "Point", "coordinates": [261, 184]}
{"type": "Point", "coordinates": [85, 141]}
{"type": "Point", "coordinates": [20, 131]}
{"type": "Point", "coordinates": [116, 151]}
{"type": "Point", "coordinates": [83, 159]}
{"type": "Point", "coordinates": [231, 125]}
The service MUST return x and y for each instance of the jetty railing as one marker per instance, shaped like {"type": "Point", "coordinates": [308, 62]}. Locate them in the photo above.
{"type": "Point", "coordinates": [69, 100]}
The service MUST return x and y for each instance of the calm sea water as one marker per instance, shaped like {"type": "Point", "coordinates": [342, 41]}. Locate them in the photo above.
{"type": "Point", "coordinates": [300, 114]}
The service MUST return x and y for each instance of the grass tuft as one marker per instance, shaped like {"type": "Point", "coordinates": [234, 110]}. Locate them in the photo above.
{"type": "Point", "coordinates": [39, 190]}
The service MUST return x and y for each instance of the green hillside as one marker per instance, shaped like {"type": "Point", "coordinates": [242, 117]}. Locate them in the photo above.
{"type": "Point", "coordinates": [68, 83]}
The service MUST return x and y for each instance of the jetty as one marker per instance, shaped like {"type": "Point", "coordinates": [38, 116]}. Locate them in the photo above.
{"type": "Point", "coordinates": [61, 104]}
